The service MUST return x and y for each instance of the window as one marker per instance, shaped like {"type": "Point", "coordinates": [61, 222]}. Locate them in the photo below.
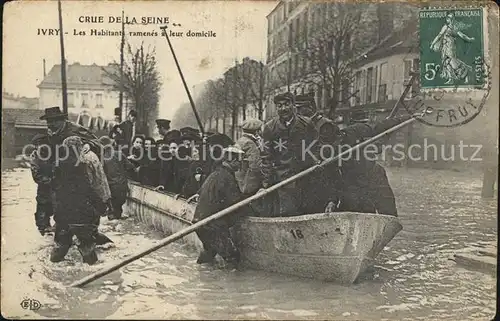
{"type": "Point", "coordinates": [71, 100]}
{"type": "Point", "coordinates": [369, 82]}
{"type": "Point", "coordinates": [85, 100]}
{"type": "Point", "coordinates": [362, 88]}
{"type": "Point", "coordinates": [345, 92]}
{"type": "Point", "coordinates": [296, 71]}
{"type": "Point", "coordinates": [409, 67]}
{"type": "Point", "coordinates": [373, 88]}
{"type": "Point", "coordinates": [382, 93]}
{"type": "Point", "coordinates": [357, 88]}
{"type": "Point", "coordinates": [98, 99]}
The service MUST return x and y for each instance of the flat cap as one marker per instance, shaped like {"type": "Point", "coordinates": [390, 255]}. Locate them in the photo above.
{"type": "Point", "coordinates": [165, 123]}
{"type": "Point", "coordinates": [219, 139]}
{"type": "Point", "coordinates": [252, 124]}
{"type": "Point", "coordinates": [172, 136]}
{"type": "Point", "coordinates": [284, 97]}
{"type": "Point", "coordinates": [304, 99]}
{"type": "Point", "coordinates": [189, 130]}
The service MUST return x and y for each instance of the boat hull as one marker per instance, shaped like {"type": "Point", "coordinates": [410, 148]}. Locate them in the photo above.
{"type": "Point", "coordinates": [326, 246]}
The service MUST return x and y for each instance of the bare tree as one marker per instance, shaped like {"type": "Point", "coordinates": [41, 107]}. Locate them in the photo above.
{"type": "Point", "coordinates": [141, 83]}
{"type": "Point", "coordinates": [336, 39]}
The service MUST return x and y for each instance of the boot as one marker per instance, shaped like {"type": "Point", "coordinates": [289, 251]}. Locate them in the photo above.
{"type": "Point", "coordinates": [206, 257]}
{"type": "Point", "coordinates": [88, 253]}
{"type": "Point", "coordinates": [59, 252]}
{"type": "Point", "coordinates": [102, 239]}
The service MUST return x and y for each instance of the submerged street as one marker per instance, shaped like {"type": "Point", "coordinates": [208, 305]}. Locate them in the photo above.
{"type": "Point", "coordinates": [414, 277]}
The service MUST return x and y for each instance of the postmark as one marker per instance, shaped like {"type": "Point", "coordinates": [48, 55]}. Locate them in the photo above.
{"type": "Point", "coordinates": [452, 48]}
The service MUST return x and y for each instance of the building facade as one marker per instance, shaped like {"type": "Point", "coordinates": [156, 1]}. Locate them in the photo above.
{"type": "Point", "coordinates": [294, 27]}
{"type": "Point", "coordinates": [90, 90]}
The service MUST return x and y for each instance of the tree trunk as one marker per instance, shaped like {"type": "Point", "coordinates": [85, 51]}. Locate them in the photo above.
{"type": "Point", "coordinates": [234, 116]}
{"type": "Point", "coordinates": [223, 124]}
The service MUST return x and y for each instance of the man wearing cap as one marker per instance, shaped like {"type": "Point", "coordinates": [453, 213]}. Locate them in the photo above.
{"type": "Point", "coordinates": [163, 126]}
{"type": "Point", "coordinates": [289, 146]}
{"type": "Point", "coordinates": [325, 184]}
{"type": "Point", "coordinates": [167, 150]}
{"type": "Point", "coordinates": [250, 177]}
{"type": "Point", "coordinates": [219, 191]}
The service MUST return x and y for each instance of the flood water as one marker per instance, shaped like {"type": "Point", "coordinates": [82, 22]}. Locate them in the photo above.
{"type": "Point", "coordinates": [414, 277]}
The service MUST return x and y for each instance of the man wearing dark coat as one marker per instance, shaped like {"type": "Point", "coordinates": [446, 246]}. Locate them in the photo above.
{"type": "Point", "coordinates": [80, 185]}
{"type": "Point", "coordinates": [129, 128]}
{"type": "Point", "coordinates": [325, 185]}
{"type": "Point", "coordinates": [42, 171]}
{"type": "Point", "coordinates": [167, 150]}
{"type": "Point", "coordinates": [116, 167]}
{"type": "Point", "coordinates": [289, 146]}
{"type": "Point", "coordinates": [366, 186]}
{"type": "Point", "coordinates": [219, 191]}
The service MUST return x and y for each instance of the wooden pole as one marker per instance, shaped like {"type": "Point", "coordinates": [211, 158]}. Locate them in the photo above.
{"type": "Point", "coordinates": [63, 61]}
{"type": "Point", "coordinates": [122, 44]}
{"type": "Point", "coordinates": [402, 97]}
{"type": "Point", "coordinates": [191, 101]}
{"type": "Point", "coordinates": [174, 237]}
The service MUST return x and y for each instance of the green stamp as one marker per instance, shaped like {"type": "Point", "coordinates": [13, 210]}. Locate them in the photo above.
{"type": "Point", "coordinates": [452, 48]}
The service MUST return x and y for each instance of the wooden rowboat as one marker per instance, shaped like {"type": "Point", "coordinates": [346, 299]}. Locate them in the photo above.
{"type": "Point", "coordinates": [326, 246]}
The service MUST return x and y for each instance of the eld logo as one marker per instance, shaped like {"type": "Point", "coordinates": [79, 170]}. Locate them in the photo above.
{"type": "Point", "coordinates": [31, 304]}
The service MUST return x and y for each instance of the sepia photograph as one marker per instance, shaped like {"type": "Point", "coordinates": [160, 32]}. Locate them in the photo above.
{"type": "Point", "coordinates": [277, 160]}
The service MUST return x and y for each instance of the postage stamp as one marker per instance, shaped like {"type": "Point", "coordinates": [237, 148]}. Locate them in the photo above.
{"type": "Point", "coordinates": [452, 48]}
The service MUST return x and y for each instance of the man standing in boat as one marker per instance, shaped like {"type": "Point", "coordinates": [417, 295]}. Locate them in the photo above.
{"type": "Point", "coordinates": [325, 185]}
{"type": "Point", "coordinates": [284, 140]}
{"type": "Point", "coordinates": [129, 128]}
{"type": "Point", "coordinates": [249, 177]}
{"type": "Point", "coordinates": [219, 191]}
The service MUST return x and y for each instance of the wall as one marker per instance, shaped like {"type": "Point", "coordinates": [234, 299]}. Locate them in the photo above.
{"type": "Point", "coordinates": [110, 101]}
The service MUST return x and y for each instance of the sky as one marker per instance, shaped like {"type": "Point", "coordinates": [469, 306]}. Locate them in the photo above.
{"type": "Point", "coordinates": [240, 27]}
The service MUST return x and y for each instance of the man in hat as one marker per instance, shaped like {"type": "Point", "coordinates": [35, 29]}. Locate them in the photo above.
{"type": "Point", "coordinates": [250, 177]}
{"type": "Point", "coordinates": [59, 128]}
{"type": "Point", "coordinates": [129, 127]}
{"type": "Point", "coordinates": [163, 126]}
{"type": "Point", "coordinates": [82, 191]}
{"type": "Point", "coordinates": [289, 147]}
{"type": "Point", "coordinates": [219, 191]}
{"type": "Point", "coordinates": [327, 129]}
{"type": "Point", "coordinates": [324, 185]}
{"type": "Point", "coordinates": [167, 151]}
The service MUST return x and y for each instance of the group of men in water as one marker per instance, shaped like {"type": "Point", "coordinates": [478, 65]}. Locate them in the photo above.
{"type": "Point", "coordinates": [91, 181]}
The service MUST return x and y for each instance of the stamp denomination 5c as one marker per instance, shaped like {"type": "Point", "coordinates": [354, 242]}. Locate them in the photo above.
{"type": "Point", "coordinates": [452, 48]}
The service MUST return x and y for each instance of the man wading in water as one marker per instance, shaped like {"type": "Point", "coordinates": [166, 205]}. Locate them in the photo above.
{"type": "Point", "coordinates": [81, 192]}
{"type": "Point", "coordinates": [219, 191]}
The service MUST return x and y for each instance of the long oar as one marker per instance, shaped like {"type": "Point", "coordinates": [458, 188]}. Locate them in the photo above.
{"type": "Point", "coordinates": [174, 237]}
{"type": "Point", "coordinates": [191, 101]}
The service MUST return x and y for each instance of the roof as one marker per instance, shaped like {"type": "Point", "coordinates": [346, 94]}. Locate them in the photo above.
{"type": "Point", "coordinates": [11, 101]}
{"type": "Point", "coordinates": [275, 7]}
{"type": "Point", "coordinates": [405, 39]}
{"type": "Point", "coordinates": [80, 76]}
{"type": "Point", "coordinates": [22, 117]}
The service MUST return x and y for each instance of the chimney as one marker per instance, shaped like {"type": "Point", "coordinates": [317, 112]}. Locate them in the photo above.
{"type": "Point", "coordinates": [44, 70]}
